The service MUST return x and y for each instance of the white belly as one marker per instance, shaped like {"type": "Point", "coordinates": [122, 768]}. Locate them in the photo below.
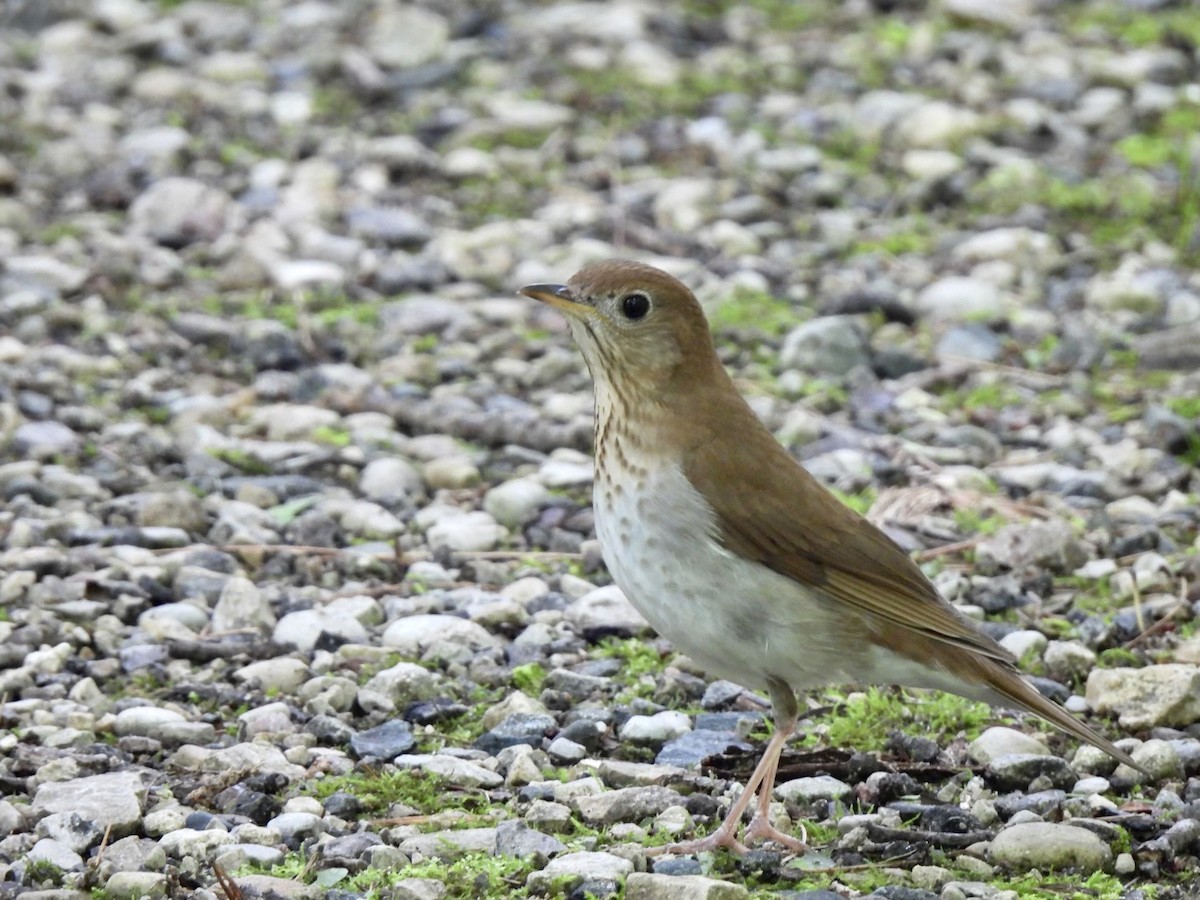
{"type": "Point", "coordinates": [737, 619]}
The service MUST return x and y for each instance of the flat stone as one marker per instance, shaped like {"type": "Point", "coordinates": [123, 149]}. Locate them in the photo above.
{"type": "Point", "coordinates": [630, 804]}
{"type": "Point", "coordinates": [1049, 846]}
{"type": "Point", "coordinates": [581, 866]}
{"type": "Point", "coordinates": [413, 635]}
{"type": "Point", "coordinates": [999, 741]}
{"type": "Point", "coordinates": [114, 800]}
{"type": "Point", "coordinates": [648, 886]}
{"type": "Point", "coordinates": [451, 845]}
{"type": "Point", "coordinates": [1145, 698]}
{"type": "Point", "coordinates": [812, 789]}
{"type": "Point", "coordinates": [457, 771]}
{"type": "Point", "coordinates": [605, 612]}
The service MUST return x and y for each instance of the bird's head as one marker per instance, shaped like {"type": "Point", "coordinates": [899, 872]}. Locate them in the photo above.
{"type": "Point", "coordinates": [635, 324]}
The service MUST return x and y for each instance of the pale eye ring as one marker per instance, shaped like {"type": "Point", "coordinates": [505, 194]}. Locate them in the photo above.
{"type": "Point", "coordinates": [635, 306]}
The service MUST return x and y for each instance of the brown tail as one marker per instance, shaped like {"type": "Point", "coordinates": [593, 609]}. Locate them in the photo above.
{"type": "Point", "coordinates": [1012, 689]}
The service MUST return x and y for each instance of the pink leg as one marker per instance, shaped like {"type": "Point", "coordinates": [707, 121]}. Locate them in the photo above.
{"type": "Point", "coordinates": [785, 713]}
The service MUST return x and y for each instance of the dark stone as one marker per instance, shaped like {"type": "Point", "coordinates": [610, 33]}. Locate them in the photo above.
{"type": "Point", "coordinates": [329, 730]}
{"type": "Point", "coordinates": [896, 892]}
{"type": "Point", "coordinates": [516, 839]}
{"type": "Point", "coordinates": [694, 747]}
{"type": "Point", "coordinates": [349, 847]}
{"type": "Point", "coordinates": [519, 728]}
{"type": "Point", "coordinates": [342, 805]}
{"type": "Point", "coordinates": [595, 889]}
{"type": "Point", "coordinates": [254, 805]}
{"type": "Point", "coordinates": [911, 746]}
{"type": "Point", "coordinates": [1040, 802]}
{"type": "Point", "coordinates": [680, 865]}
{"type": "Point", "coordinates": [428, 712]}
{"type": "Point", "coordinates": [384, 741]}
{"type": "Point", "coordinates": [199, 820]}
{"type": "Point", "coordinates": [1049, 688]}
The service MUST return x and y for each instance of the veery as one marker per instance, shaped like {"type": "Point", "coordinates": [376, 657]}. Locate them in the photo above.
{"type": "Point", "coordinates": [735, 552]}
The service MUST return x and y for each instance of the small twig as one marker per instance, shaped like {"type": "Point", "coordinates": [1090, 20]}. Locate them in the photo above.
{"type": "Point", "coordinates": [228, 885]}
{"type": "Point", "coordinates": [947, 549]}
{"type": "Point", "coordinates": [1164, 623]}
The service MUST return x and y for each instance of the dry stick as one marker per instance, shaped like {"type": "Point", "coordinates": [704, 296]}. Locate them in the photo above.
{"type": "Point", "coordinates": [946, 549]}
{"type": "Point", "coordinates": [1165, 622]}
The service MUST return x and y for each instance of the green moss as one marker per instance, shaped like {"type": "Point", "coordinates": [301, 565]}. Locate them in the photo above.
{"type": "Point", "coordinates": [860, 502]}
{"type": "Point", "coordinates": [973, 520]}
{"type": "Point", "coordinates": [327, 434]}
{"type": "Point", "coordinates": [1138, 28]}
{"type": "Point", "coordinates": [865, 721]}
{"type": "Point", "coordinates": [241, 460]}
{"type": "Point", "coordinates": [756, 310]}
{"type": "Point", "coordinates": [409, 787]}
{"type": "Point", "coordinates": [528, 678]}
{"type": "Point", "coordinates": [477, 876]}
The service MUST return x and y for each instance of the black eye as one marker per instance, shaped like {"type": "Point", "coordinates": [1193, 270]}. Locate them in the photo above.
{"type": "Point", "coordinates": [635, 306]}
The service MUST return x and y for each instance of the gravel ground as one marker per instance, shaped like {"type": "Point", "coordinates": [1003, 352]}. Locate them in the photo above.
{"type": "Point", "coordinates": [298, 577]}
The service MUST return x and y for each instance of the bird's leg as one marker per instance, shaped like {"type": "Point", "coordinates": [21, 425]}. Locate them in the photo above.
{"type": "Point", "coordinates": [785, 712]}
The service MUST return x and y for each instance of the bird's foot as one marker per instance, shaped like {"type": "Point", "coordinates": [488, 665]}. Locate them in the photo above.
{"type": "Point", "coordinates": [761, 829]}
{"type": "Point", "coordinates": [723, 837]}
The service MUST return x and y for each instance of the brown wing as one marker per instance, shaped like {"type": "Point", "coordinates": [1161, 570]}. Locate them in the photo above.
{"type": "Point", "coordinates": [781, 516]}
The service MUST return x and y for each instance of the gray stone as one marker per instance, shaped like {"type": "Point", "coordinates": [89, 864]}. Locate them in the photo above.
{"type": "Point", "coordinates": [385, 741]}
{"type": "Point", "coordinates": [180, 211]}
{"type": "Point", "coordinates": [418, 889]}
{"type": "Point", "coordinates": [468, 531]}
{"type": "Point", "coordinates": [1015, 771]}
{"type": "Point", "coordinates": [516, 839]}
{"type": "Point", "coordinates": [648, 886]}
{"type": "Point", "coordinates": [830, 345]}
{"type": "Point", "coordinates": [1068, 660]}
{"type": "Point", "coordinates": [136, 885]}
{"type": "Point", "coordinates": [515, 502]}
{"type": "Point", "coordinates": [1146, 698]}
{"type": "Point", "coordinates": [1042, 545]}
{"type": "Point", "coordinates": [145, 721]}
{"type": "Point", "coordinates": [1049, 846]}
{"type": "Point", "coordinates": [113, 800]}
{"type": "Point", "coordinates": [456, 771]}
{"type": "Point", "coordinates": [402, 36]}
{"type": "Point", "coordinates": [999, 741]}
{"type": "Point", "coordinates": [605, 612]}
{"type": "Point", "coordinates": [582, 866]}
{"type": "Point", "coordinates": [630, 804]}
{"type": "Point", "coordinates": [451, 845]}
{"type": "Point", "coordinates": [71, 830]}
{"type": "Point", "coordinates": [970, 341]}
{"type": "Point", "coordinates": [280, 675]}
{"type": "Point", "coordinates": [404, 683]}
{"type": "Point", "coordinates": [956, 299]}
{"type": "Point", "coordinates": [655, 730]}
{"type": "Point", "coordinates": [812, 789]}
{"type": "Point", "coordinates": [302, 629]}
{"type": "Point", "coordinates": [413, 635]}
{"type": "Point", "coordinates": [389, 479]}
{"type": "Point", "coordinates": [242, 606]}
{"type": "Point", "coordinates": [45, 440]}
{"type": "Point", "coordinates": [295, 827]}
{"type": "Point", "coordinates": [56, 854]}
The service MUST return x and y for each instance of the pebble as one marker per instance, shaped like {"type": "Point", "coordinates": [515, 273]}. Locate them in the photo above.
{"type": "Point", "coordinates": [1046, 845]}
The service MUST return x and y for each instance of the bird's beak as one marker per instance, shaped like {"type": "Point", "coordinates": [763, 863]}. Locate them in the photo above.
{"type": "Point", "coordinates": [558, 296]}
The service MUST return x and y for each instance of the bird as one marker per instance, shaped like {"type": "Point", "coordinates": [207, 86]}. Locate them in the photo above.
{"type": "Point", "coordinates": [736, 553]}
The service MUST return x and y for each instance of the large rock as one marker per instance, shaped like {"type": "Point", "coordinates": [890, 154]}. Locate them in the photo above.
{"type": "Point", "coordinates": [1147, 698]}
{"type": "Point", "coordinates": [1049, 846]}
{"type": "Point", "coordinates": [113, 800]}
